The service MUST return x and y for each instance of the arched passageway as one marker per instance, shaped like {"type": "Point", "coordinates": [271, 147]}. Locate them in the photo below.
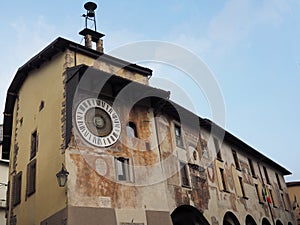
{"type": "Point", "coordinates": [250, 220]}
{"type": "Point", "coordinates": [188, 215]}
{"type": "Point", "coordinates": [230, 219]}
{"type": "Point", "coordinates": [278, 222]}
{"type": "Point", "coordinates": [265, 221]}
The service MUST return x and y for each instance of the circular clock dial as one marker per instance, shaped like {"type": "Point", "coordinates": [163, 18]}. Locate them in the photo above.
{"type": "Point", "coordinates": [97, 122]}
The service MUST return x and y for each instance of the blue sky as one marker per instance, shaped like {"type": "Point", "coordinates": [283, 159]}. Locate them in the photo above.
{"type": "Point", "coordinates": [252, 47]}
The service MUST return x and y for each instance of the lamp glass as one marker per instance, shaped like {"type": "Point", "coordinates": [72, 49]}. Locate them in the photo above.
{"type": "Point", "coordinates": [62, 177]}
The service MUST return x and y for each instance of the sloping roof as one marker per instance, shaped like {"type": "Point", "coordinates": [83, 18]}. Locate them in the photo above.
{"type": "Point", "coordinates": [228, 138]}
{"type": "Point", "coordinates": [293, 184]}
{"type": "Point", "coordinates": [244, 147]}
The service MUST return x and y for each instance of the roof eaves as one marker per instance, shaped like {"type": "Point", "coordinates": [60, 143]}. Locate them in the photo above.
{"type": "Point", "coordinates": [231, 139]}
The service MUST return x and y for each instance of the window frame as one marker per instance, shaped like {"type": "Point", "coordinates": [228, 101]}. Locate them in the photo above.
{"type": "Point", "coordinates": [31, 178]}
{"type": "Point", "coordinates": [124, 163]}
{"type": "Point", "coordinates": [218, 149]}
{"type": "Point", "coordinates": [266, 175]}
{"type": "Point", "coordinates": [259, 194]}
{"type": "Point", "coordinates": [17, 189]}
{"type": "Point", "coordinates": [278, 181]}
{"type": "Point", "coordinates": [133, 132]}
{"type": "Point", "coordinates": [242, 187]}
{"type": "Point", "coordinates": [236, 159]}
{"type": "Point", "coordinates": [34, 144]}
{"type": "Point", "coordinates": [178, 138]}
{"type": "Point", "coordinates": [184, 174]}
{"type": "Point", "coordinates": [223, 180]}
{"type": "Point", "coordinates": [251, 165]}
{"type": "Point", "coordinates": [272, 198]}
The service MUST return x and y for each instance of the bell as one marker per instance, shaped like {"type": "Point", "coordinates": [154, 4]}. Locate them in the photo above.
{"type": "Point", "coordinates": [90, 7]}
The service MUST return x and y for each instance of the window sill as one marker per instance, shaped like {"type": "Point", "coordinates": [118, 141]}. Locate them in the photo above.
{"type": "Point", "coordinates": [226, 191]}
{"type": "Point", "coordinates": [186, 186]}
{"type": "Point", "coordinates": [180, 146]}
{"type": "Point", "coordinates": [16, 205]}
{"type": "Point", "coordinates": [125, 181]}
{"type": "Point", "coordinates": [30, 193]}
{"type": "Point", "coordinates": [220, 160]}
{"type": "Point", "coordinates": [262, 203]}
{"type": "Point", "coordinates": [254, 176]}
{"type": "Point", "coordinates": [239, 169]}
{"type": "Point", "coordinates": [245, 197]}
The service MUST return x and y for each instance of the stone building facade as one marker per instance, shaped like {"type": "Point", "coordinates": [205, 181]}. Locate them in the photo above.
{"type": "Point", "coordinates": [132, 155]}
{"type": "Point", "coordinates": [294, 193]}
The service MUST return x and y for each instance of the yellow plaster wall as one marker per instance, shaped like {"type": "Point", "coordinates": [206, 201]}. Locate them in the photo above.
{"type": "Point", "coordinates": [44, 84]}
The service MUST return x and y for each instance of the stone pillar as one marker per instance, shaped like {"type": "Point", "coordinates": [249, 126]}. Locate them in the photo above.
{"type": "Point", "coordinates": [88, 41]}
{"type": "Point", "coordinates": [99, 45]}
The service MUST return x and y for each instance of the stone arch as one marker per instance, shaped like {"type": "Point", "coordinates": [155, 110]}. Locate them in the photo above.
{"type": "Point", "coordinates": [265, 221]}
{"type": "Point", "coordinates": [230, 219]}
{"type": "Point", "coordinates": [289, 223]}
{"type": "Point", "coordinates": [250, 220]}
{"type": "Point", "coordinates": [278, 222]}
{"type": "Point", "coordinates": [188, 215]}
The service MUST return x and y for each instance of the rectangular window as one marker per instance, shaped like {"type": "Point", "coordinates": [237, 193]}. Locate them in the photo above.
{"type": "Point", "coordinates": [218, 150]}
{"type": "Point", "coordinates": [283, 202]}
{"type": "Point", "coordinates": [31, 178]}
{"type": "Point", "coordinates": [122, 169]}
{"type": "Point", "coordinates": [242, 186]}
{"type": "Point", "coordinates": [236, 160]}
{"type": "Point", "coordinates": [184, 175]}
{"type": "Point", "coordinates": [266, 175]}
{"type": "Point", "coordinates": [224, 184]}
{"type": "Point", "coordinates": [178, 136]}
{"type": "Point", "coordinates": [34, 144]}
{"type": "Point", "coordinates": [272, 198]}
{"type": "Point", "coordinates": [16, 190]}
{"type": "Point", "coordinates": [259, 194]}
{"type": "Point", "coordinates": [278, 181]}
{"type": "Point", "coordinates": [252, 168]}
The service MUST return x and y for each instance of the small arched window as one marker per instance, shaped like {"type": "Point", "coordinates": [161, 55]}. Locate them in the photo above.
{"type": "Point", "coordinates": [131, 129]}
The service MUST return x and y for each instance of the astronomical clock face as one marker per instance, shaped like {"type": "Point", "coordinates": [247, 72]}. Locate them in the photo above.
{"type": "Point", "coordinates": [97, 122]}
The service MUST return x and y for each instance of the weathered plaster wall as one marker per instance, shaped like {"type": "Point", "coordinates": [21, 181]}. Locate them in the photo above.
{"type": "Point", "coordinates": [93, 180]}
{"type": "Point", "coordinates": [294, 192]}
{"type": "Point", "coordinates": [105, 66]}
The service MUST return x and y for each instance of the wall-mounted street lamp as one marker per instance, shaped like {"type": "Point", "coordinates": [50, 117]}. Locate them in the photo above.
{"type": "Point", "coordinates": [62, 176]}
